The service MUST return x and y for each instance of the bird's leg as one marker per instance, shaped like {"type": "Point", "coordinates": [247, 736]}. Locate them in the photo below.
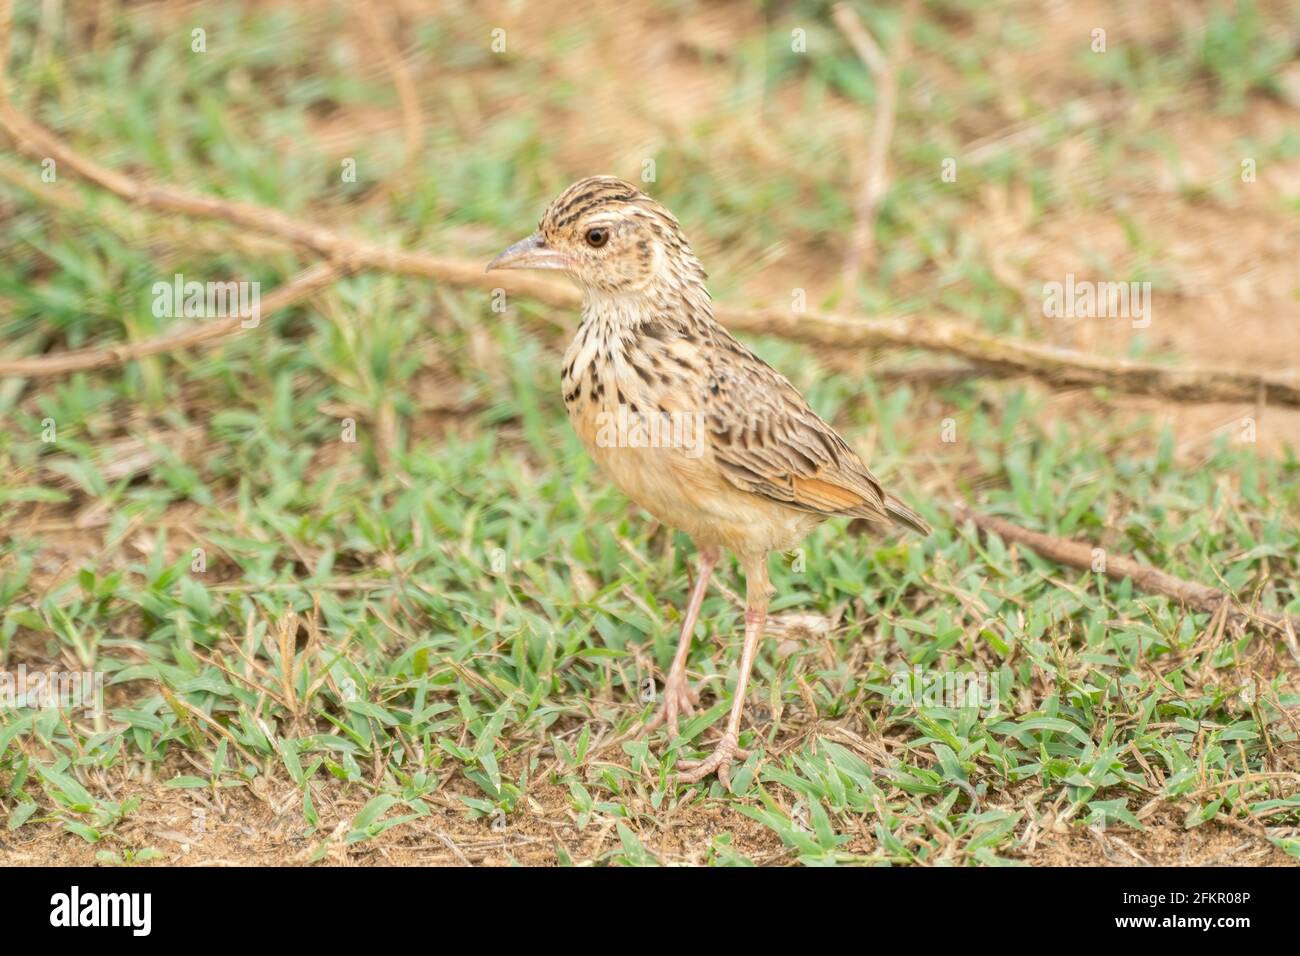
{"type": "Point", "coordinates": [679, 698]}
{"type": "Point", "coordinates": [756, 597]}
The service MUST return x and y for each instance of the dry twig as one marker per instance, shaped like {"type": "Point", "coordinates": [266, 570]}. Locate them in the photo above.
{"type": "Point", "coordinates": [6, 30]}
{"type": "Point", "coordinates": [403, 84]}
{"type": "Point", "coordinates": [1057, 367]}
{"type": "Point", "coordinates": [1076, 554]}
{"type": "Point", "coordinates": [874, 180]}
{"type": "Point", "coordinates": [295, 290]}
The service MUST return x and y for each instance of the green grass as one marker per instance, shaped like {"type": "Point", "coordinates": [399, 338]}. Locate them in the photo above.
{"type": "Point", "coordinates": [447, 614]}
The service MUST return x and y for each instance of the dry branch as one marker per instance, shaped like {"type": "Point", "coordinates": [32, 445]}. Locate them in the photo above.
{"type": "Point", "coordinates": [6, 30]}
{"type": "Point", "coordinates": [295, 290]}
{"type": "Point", "coordinates": [1076, 554]}
{"type": "Point", "coordinates": [868, 51]}
{"type": "Point", "coordinates": [1060, 368]}
{"type": "Point", "coordinates": [404, 86]}
{"type": "Point", "coordinates": [874, 180]}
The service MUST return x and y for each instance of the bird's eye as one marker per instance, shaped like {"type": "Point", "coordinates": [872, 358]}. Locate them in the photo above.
{"type": "Point", "coordinates": [597, 237]}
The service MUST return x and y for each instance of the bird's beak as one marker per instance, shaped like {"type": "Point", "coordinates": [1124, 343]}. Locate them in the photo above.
{"type": "Point", "coordinates": [530, 253]}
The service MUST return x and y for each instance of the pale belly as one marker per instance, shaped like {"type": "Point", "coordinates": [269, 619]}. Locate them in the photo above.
{"type": "Point", "coordinates": [682, 488]}
{"type": "Point", "coordinates": [673, 476]}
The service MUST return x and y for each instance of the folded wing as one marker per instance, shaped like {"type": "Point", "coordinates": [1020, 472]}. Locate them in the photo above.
{"type": "Point", "coordinates": [768, 441]}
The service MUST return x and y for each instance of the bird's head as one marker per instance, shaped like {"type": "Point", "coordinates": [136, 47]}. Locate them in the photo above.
{"type": "Point", "coordinates": [611, 237]}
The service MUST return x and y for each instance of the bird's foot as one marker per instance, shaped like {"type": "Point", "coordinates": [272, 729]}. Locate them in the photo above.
{"type": "Point", "coordinates": [680, 699]}
{"type": "Point", "coordinates": [719, 762]}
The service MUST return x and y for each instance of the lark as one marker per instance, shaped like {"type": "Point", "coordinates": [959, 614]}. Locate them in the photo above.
{"type": "Point", "coordinates": [688, 422]}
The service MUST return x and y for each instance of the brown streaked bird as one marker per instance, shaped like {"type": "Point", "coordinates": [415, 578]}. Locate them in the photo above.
{"type": "Point", "coordinates": [689, 423]}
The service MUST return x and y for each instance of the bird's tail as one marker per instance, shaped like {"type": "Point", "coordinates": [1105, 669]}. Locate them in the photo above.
{"type": "Point", "coordinates": [902, 514]}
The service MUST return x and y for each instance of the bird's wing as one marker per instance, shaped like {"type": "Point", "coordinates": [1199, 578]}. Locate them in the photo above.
{"type": "Point", "coordinates": [766, 439]}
